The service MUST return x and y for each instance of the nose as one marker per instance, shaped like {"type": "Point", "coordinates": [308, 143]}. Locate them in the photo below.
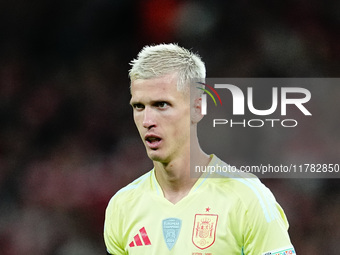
{"type": "Point", "coordinates": [148, 118]}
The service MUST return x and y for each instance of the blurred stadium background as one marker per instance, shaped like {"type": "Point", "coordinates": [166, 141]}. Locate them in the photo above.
{"type": "Point", "coordinates": [67, 139]}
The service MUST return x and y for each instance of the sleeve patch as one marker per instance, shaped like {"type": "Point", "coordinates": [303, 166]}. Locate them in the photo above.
{"type": "Point", "coordinates": [282, 251]}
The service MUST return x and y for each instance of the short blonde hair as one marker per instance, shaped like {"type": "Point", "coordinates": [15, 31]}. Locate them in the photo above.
{"type": "Point", "coordinates": [158, 60]}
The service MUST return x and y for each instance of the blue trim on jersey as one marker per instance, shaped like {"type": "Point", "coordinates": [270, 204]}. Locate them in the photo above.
{"type": "Point", "coordinates": [270, 202]}
{"type": "Point", "coordinates": [251, 186]}
{"type": "Point", "coordinates": [155, 182]}
{"type": "Point", "coordinates": [199, 185]}
{"type": "Point", "coordinates": [131, 186]}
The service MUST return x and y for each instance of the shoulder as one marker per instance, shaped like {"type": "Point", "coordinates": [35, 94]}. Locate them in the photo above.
{"type": "Point", "coordinates": [246, 188]}
{"type": "Point", "coordinates": [131, 191]}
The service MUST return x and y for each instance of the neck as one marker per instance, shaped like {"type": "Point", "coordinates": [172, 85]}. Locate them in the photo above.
{"type": "Point", "coordinates": [174, 176]}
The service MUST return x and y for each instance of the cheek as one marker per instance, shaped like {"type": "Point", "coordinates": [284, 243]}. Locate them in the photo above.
{"type": "Point", "coordinates": [182, 124]}
{"type": "Point", "coordinates": [138, 121]}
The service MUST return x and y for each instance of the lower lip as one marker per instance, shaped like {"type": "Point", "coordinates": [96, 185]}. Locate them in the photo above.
{"type": "Point", "coordinates": [154, 145]}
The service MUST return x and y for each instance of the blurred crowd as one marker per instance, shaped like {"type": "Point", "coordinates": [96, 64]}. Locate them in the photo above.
{"type": "Point", "coordinates": [67, 138]}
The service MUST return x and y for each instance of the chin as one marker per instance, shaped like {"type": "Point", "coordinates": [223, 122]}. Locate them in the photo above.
{"type": "Point", "coordinates": [154, 156]}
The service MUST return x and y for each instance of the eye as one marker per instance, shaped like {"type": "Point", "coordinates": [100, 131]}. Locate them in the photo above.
{"type": "Point", "coordinates": [138, 106]}
{"type": "Point", "coordinates": [162, 105]}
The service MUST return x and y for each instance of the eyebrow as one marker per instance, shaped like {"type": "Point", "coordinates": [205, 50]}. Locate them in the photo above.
{"type": "Point", "coordinates": [132, 103]}
{"type": "Point", "coordinates": [152, 101]}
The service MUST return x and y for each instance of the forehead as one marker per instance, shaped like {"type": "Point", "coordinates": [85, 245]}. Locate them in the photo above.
{"type": "Point", "coordinates": [164, 86]}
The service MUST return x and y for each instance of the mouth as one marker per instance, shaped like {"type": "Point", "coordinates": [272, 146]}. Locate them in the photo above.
{"type": "Point", "coordinates": [153, 141]}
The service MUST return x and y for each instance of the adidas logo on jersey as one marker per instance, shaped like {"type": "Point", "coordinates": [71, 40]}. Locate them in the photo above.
{"type": "Point", "coordinates": [142, 235]}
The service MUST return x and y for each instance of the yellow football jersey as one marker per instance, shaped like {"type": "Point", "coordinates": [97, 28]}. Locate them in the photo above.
{"type": "Point", "coordinates": [219, 216]}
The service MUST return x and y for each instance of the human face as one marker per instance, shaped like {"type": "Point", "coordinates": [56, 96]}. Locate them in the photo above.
{"type": "Point", "coordinates": [162, 116]}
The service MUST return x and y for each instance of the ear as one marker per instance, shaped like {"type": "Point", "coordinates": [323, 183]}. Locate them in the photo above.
{"type": "Point", "coordinates": [196, 114]}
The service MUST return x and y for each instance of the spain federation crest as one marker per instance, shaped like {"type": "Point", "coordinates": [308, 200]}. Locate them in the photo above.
{"type": "Point", "coordinates": [204, 232]}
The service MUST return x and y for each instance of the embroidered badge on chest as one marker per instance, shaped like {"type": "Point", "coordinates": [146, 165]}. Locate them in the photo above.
{"type": "Point", "coordinates": [171, 229]}
{"type": "Point", "coordinates": [204, 232]}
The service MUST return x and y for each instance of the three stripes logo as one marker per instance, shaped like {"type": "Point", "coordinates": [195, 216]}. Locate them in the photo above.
{"type": "Point", "coordinates": [204, 97]}
{"type": "Point", "coordinates": [140, 239]}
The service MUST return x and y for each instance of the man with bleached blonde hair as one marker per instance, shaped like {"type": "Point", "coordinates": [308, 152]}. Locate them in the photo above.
{"type": "Point", "coordinates": [156, 61]}
{"type": "Point", "coordinates": [166, 211]}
